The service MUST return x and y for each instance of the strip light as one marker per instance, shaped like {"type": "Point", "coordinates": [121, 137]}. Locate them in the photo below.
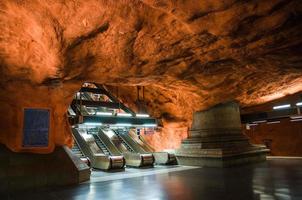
{"type": "Point", "coordinates": [150, 125]}
{"type": "Point", "coordinates": [93, 123]}
{"type": "Point", "coordinates": [299, 104]}
{"type": "Point", "coordinates": [252, 124]}
{"type": "Point", "coordinates": [281, 107]}
{"type": "Point", "coordinates": [273, 122]}
{"type": "Point", "coordinates": [124, 114]}
{"type": "Point", "coordinates": [142, 115]}
{"type": "Point", "coordinates": [296, 120]}
{"type": "Point", "coordinates": [296, 117]}
{"type": "Point", "coordinates": [257, 122]}
{"type": "Point", "coordinates": [123, 124]}
{"type": "Point", "coordinates": [103, 113]}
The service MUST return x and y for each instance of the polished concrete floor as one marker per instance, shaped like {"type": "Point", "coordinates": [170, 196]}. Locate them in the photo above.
{"type": "Point", "coordinates": [275, 179]}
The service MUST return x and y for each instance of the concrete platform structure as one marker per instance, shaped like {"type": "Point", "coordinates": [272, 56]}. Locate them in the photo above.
{"type": "Point", "coordinates": [23, 171]}
{"type": "Point", "coordinates": [276, 179]}
{"type": "Point", "coordinates": [216, 140]}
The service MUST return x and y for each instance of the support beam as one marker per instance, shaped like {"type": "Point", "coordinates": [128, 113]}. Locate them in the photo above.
{"type": "Point", "coordinates": [87, 103]}
{"type": "Point", "coordinates": [114, 99]}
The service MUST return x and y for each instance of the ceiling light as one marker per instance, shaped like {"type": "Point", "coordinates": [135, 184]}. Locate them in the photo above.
{"type": "Point", "coordinates": [296, 120]}
{"type": "Point", "coordinates": [103, 113]}
{"type": "Point", "coordinates": [93, 123]}
{"type": "Point", "coordinates": [142, 115]}
{"type": "Point", "coordinates": [252, 124]}
{"type": "Point", "coordinates": [150, 125]}
{"type": "Point", "coordinates": [296, 117]}
{"type": "Point", "coordinates": [299, 104]}
{"type": "Point", "coordinates": [260, 121]}
{"type": "Point", "coordinates": [122, 124]}
{"type": "Point", "coordinates": [273, 122]}
{"type": "Point", "coordinates": [124, 114]}
{"type": "Point", "coordinates": [281, 107]}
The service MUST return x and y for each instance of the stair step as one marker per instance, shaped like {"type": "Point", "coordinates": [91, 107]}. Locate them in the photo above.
{"type": "Point", "coordinates": [77, 151]}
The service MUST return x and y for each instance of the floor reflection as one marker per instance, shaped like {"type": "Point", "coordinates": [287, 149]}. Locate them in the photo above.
{"type": "Point", "coordinates": [276, 179]}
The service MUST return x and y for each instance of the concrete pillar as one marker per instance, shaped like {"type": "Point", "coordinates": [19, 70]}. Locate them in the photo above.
{"type": "Point", "coordinates": [216, 140]}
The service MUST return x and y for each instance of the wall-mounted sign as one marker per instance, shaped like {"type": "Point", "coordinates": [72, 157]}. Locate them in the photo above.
{"type": "Point", "coordinates": [36, 127]}
{"type": "Point", "coordinates": [148, 131]}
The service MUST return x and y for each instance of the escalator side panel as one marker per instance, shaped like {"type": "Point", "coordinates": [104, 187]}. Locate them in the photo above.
{"type": "Point", "coordinates": [110, 146]}
{"type": "Point", "coordinates": [133, 145]}
{"type": "Point", "coordinates": [162, 158]}
{"type": "Point", "coordinates": [98, 161]}
{"type": "Point", "coordinates": [147, 159]}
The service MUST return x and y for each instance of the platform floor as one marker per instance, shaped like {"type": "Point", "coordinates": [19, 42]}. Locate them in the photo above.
{"type": "Point", "coordinates": [276, 179]}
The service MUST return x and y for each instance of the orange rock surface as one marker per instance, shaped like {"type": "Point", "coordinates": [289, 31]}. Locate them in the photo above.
{"type": "Point", "coordinates": [189, 55]}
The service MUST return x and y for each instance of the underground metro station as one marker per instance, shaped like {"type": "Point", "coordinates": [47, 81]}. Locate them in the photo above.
{"type": "Point", "coordinates": [151, 99]}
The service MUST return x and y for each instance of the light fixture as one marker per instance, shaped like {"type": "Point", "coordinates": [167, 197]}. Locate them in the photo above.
{"type": "Point", "coordinates": [273, 122]}
{"type": "Point", "coordinates": [281, 107]}
{"type": "Point", "coordinates": [252, 124]}
{"type": "Point", "coordinates": [299, 104]}
{"type": "Point", "coordinates": [93, 123]}
{"type": "Point", "coordinates": [142, 115]}
{"type": "Point", "coordinates": [103, 113]}
{"type": "Point", "coordinates": [150, 125]}
{"type": "Point", "coordinates": [124, 114]}
{"type": "Point", "coordinates": [296, 120]}
{"type": "Point", "coordinates": [260, 121]}
{"type": "Point", "coordinates": [122, 124]}
{"type": "Point", "coordinates": [296, 117]}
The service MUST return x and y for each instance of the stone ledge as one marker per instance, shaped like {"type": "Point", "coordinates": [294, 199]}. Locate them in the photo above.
{"type": "Point", "coordinates": [222, 161]}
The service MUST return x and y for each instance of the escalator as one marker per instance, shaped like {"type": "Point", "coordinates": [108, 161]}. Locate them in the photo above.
{"type": "Point", "coordinates": [100, 159]}
{"type": "Point", "coordinates": [124, 143]}
{"type": "Point", "coordinates": [101, 145]}
{"type": "Point", "coordinates": [134, 155]}
{"type": "Point", "coordinates": [76, 150]}
{"type": "Point", "coordinates": [161, 158]}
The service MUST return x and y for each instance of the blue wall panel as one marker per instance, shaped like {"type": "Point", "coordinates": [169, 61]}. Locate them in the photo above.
{"type": "Point", "coordinates": [36, 127]}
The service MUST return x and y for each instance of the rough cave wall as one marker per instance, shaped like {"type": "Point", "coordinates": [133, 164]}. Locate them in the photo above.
{"type": "Point", "coordinates": [195, 53]}
{"type": "Point", "coordinates": [286, 137]}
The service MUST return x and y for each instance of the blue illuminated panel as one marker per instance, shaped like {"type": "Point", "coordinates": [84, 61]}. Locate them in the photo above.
{"type": "Point", "coordinates": [36, 127]}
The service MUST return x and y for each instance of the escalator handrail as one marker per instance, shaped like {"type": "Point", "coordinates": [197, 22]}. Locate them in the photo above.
{"type": "Point", "coordinates": [133, 144]}
{"type": "Point", "coordinates": [145, 145]}
{"type": "Point", "coordinates": [107, 142]}
{"type": "Point", "coordinates": [82, 144]}
{"type": "Point", "coordinates": [96, 136]}
{"type": "Point", "coordinates": [76, 143]}
{"type": "Point", "coordinates": [119, 135]}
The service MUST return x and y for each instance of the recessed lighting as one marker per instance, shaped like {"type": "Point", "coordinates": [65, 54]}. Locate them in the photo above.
{"type": "Point", "coordinates": [281, 107]}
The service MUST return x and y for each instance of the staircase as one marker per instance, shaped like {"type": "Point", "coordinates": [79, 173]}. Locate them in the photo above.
{"type": "Point", "coordinates": [121, 131]}
{"type": "Point", "coordinates": [101, 145]}
{"type": "Point", "coordinates": [77, 151]}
